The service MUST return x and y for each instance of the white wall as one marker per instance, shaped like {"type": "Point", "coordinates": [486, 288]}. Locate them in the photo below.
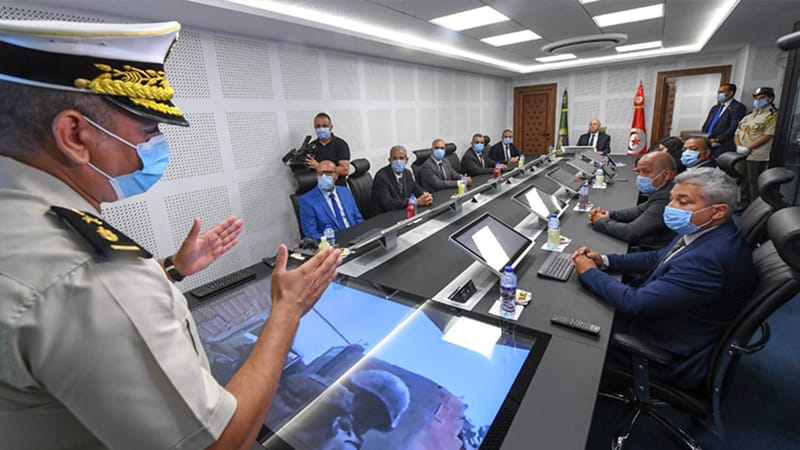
{"type": "Point", "coordinates": [607, 92]}
{"type": "Point", "coordinates": [249, 101]}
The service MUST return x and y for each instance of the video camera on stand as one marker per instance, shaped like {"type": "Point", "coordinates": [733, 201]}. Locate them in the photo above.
{"type": "Point", "coordinates": [296, 160]}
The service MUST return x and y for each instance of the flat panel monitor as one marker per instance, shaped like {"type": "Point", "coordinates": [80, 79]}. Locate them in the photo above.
{"type": "Point", "coordinates": [575, 149]}
{"type": "Point", "coordinates": [585, 167]}
{"type": "Point", "coordinates": [540, 203]}
{"type": "Point", "coordinates": [565, 178]}
{"type": "Point", "coordinates": [356, 378]}
{"type": "Point", "coordinates": [491, 242]}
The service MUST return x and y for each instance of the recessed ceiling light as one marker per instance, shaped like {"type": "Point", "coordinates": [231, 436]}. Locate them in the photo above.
{"type": "Point", "coordinates": [583, 2]}
{"type": "Point", "coordinates": [473, 18]}
{"type": "Point", "coordinates": [635, 47]}
{"type": "Point", "coordinates": [511, 38]}
{"type": "Point", "coordinates": [630, 15]}
{"type": "Point", "coordinates": [548, 59]}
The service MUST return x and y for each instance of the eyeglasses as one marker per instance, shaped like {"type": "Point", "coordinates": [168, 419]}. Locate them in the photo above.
{"type": "Point", "coordinates": [438, 148]}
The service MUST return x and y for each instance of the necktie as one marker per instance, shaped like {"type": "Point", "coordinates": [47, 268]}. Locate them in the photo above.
{"type": "Point", "coordinates": [715, 119]}
{"type": "Point", "coordinates": [508, 153]}
{"type": "Point", "coordinates": [441, 167]}
{"type": "Point", "coordinates": [481, 158]}
{"type": "Point", "coordinates": [400, 184]}
{"type": "Point", "coordinates": [337, 213]}
{"type": "Point", "coordinates": [591, 140]}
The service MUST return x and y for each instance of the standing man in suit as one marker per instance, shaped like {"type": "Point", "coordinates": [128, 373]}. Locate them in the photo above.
{"type": "Point", "coordinates": [437, 173]}
{"type": "Point", "coordinates": [642, 224]}
{"type": "Point", "coordinates": [394, 184]}
{"type": "Point", "coordinates": [596, 138]}
{"type": "Point", "coordinates": [505, 151]}
{"type": "Point", "coordinates": [692, 288]}
{"type": "Point", "coordinates": [722, 120]}
{"type": "Point", "coordinates": [475, 160]}
{"type": "Point", "coordinates": [329, 204]}
{"type": "Point", "coordinates": [697, 153]}
{"type": "Point", "coordinates": [328, 147]}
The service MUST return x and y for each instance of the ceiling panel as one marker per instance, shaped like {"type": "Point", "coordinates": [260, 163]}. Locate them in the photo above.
{"type": "Point", "coordinates": [430, 9]}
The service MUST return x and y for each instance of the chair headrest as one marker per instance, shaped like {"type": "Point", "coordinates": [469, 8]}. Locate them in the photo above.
{"type": "Point", "coordinates": [360, 167]}
{"type": "Point", "coordinates": [449, 148]}
{"type": "Point", "coordinates": [306, 181]}
{"type": "Point", "coordinates": [784, 232]}
{"type": "Point", "coordinates": [769, 185]}
{"type": "Point", "coordinates": [728, 162]}
{"type": "Point", "coordinates": [486, 140]}
{"type": "Point", "coordinates": [421, 155]}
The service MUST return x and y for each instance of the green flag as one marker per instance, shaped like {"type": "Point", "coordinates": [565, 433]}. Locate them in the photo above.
{"type": "Point", "coordinates": [563, 132]}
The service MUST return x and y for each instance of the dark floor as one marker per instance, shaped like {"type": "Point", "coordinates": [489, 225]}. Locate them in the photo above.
{"type": "Point", "coordinates": [760, 412]}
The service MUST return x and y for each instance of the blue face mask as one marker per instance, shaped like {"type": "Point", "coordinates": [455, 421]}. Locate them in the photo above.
{"type": "Point", "coordinates": [438, 154]}
{"type": "Point", "coordinates": [325, 183]}
{"type": "Point", "coordinates": [680, 220]}
{"type": "Point", "coordinates": [478, 148]}
{"type": "Point", "coordinates": [758, 104]}
{"type": "Point", "coordinates": [507, 140]}
{"type": "Point", "coordinates": [398, 165]}
{"type": "Point", "coordinates": [721, 98]}
{"type": "Point", "coordinates": [322, 133]}
{"type": "Point", "coordinates": [689, 158]}
{"type": "Point", "coordinates": [154, 154]}
{"type": "Point", "coordinates": [645, 184]}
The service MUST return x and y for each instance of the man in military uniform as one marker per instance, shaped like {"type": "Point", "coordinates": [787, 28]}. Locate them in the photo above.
{"type": "Point", "coordinates": [754, 139]}
{"type": "Point", "coordinates": [97, 346]}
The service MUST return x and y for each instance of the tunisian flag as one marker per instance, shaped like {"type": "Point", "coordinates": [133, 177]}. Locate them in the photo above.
{"type": "Point", "coordinates": [637, 142]}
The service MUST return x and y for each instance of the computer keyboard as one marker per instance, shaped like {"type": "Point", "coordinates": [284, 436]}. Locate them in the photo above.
{"type": "Point", "coordinates": [223, 283]}
{"type": "Point", "coordinates": [557, 266]}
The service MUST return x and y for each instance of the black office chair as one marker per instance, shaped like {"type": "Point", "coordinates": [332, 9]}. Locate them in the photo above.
{"type": "Point", "coordinates": [416, 167]}
{"type": "Point", "coordinates": [732, 163]}
{"type": "Point", "coordinates": [451, 156]}
{"type": "Point", "coordinates": [305, 182]}
{"type": "Point", "coordinates": [360, 183]}
{"type": "Point", "coordinates": [753, 222]}
{"type": "Point", "coordinates": [778, 264]}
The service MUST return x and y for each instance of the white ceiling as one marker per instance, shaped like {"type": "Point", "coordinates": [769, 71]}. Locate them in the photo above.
{"type": "Point", "coordinates": [399, 29]}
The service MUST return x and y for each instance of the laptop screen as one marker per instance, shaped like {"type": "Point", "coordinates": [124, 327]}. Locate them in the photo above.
{"type": "Point", "coordinates": [491, 242]}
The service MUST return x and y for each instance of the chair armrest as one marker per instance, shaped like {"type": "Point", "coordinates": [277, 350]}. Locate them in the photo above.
{"type": "Point", "coordinates": [641, 348]}
{"type": "Point", "coordinates": [751, 348]}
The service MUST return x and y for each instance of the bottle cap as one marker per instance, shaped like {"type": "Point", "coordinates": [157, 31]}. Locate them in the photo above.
{"type": "Point", "coordinates": [508, 269]}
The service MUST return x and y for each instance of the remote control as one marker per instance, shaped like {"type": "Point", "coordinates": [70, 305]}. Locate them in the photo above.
{"type": "Point", "coordinates": [575, 324]}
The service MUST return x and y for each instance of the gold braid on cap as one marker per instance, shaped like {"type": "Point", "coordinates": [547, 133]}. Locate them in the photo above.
{"type": "Point", "coordinates": [147, 88]}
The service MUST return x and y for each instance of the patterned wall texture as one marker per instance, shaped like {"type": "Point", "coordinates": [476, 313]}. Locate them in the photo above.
{"type": "Point", "coordinates": [249, 101]}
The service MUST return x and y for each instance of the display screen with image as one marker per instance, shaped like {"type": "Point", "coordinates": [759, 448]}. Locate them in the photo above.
{"type": "Point", "coordinates": [540, 203]}
{"type": "Point", "coordinates": [367, 372]}
{"type": "Point", "coordinates": [491, 242]}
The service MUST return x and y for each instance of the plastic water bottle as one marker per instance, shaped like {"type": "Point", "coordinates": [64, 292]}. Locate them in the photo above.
{"type": "Point", "coordinates": [497, 170]}
{"type": "Point", "coordinates": [508, 292]}
{"type": "Point", "coordinates": [553, 232]}
{"type": "Point", "coordinates": [462, 185]}
{"type": "Point", "coordinates": [521, 161]}
{"type": "Point", "coordinates": [323, 243]}
{"type": "Point", "coordinates": [329, 235]}
{"type": "Point", "coordinates": [583, 196]}
{"type": "Point", "coordinates": [599, 176]}
{"type": "Point", "coordinates": [604, 160]}
{"type": "Point", "coordinates": [411, 208]}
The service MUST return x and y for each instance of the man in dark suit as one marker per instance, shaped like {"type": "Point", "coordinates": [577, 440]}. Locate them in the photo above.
{"type": "Point", "coordinates": [697, 153]}
{"type": "Point", "coordinates": [394, 184]}
{"type": "Point", "coordinates": [692, 288]}
{"type": "Point", "coordinates": [475, 160]}
{"type": "Point", "coordinates": [596, 138]}
{"type": "Point", "coordinates": [722, 120]}
{"type": "Point", "coordinates": [642, 224]}
{"type": "Point", "coordinates": [437, 173]}
{"type": "Point", "coordinates": [328, 204]}
{"type": "Point", "coordinates": [505, 151]}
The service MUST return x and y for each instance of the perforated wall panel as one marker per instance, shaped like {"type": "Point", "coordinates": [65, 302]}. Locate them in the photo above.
{"type": "Point", "coordinates": [300, 72]}
{"type": "Point", "coordinates": [426, 80]}
{"type": "Point", "coordinates": [377, 77]}
{"type": "Point", "coordinates": [210, 204]}
{"type": "Point", "coordinates": [301, 124]}
{"type": "Point", "coordinates": [133, 219]}
{"type": "Point", "coordinates": [586, 83]}
{"type": "Point", "coordinates": [194, 150]}
{"type": "Point", "coordinates": [618, 110]}
{"type": "Point", "coordinates": [349, 126]}
{"type": "Point", "coordinates": [187, 67]}
{"type": "Point", "coordinates": [446, 122]}
{"type": "Point", "coordinates": [405, 86]}
{"type": "Point", "coordinates": [379, 123]}
{"type": "Point", "coordinates": [254, 138]}
{"type": "Point", "coordinates": [18, 13]}
{"type": "Point", "coordinates": [445, 83]}
{"type": "Point", "coordinates": [474, 118]}
{"type": "Point", "coordinates": [460, 93]}
{"type": "Point", "coordinates": [474, 88]}
{"type": "Point", "coordinates": [427, 125]}
{"type": "Point", "coordinates": [243, 67]}
{"type": "Point", "coordinates": [461, 121]}
{"type": "Point", "coordinates": [343, 77]}
{"type": "Point", "coordinates": [406, 120]}
{"type": "Point", "coordinates": [622, 81]}
{"type": "Point", "coordinates": [584, 111]}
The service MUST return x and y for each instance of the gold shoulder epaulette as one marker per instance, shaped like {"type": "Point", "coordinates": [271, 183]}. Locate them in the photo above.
{"type": "Point", "coordinates": [106, 240]}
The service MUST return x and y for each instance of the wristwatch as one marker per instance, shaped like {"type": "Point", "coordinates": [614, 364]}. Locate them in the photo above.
{"type": "Point", "coordinates": [172, 271]}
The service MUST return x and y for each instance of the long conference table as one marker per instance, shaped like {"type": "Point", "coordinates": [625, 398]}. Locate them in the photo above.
{"type": "Point", "coordinates": [557, 409]}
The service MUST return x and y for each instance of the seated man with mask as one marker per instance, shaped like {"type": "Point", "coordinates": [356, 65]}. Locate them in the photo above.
{"type": "Point", "coordinates": [394, 184]}
{"type": "Point", "coordinates": [437, 173]}
{"type": "Point", "coordinates": [642, 224]}
{"type": "Point", "coordinates": [692, 288]}
{"type": "Point", "coordinates": [328, 205]}
{"type": "Point", "coordinates": [475, 161]}
{"type": "Point", "coordinates": [697, 153]}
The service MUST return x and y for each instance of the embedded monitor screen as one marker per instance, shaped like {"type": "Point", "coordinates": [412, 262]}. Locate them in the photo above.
{"type": "Point", "coordinates": [585, 167]}
{"type": "Point", "coordinates": [355, 376]}
{"type": "Point", "coordinates": [565, 178]}
{"type": "Point", "coordinates": [538, 202]}
{"type": "Point", "coordinates": [573, 149]}
{"type": "Point", "coordinates": [593, 155]}
{"type": "Point", "coordinates": [491, 242]}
